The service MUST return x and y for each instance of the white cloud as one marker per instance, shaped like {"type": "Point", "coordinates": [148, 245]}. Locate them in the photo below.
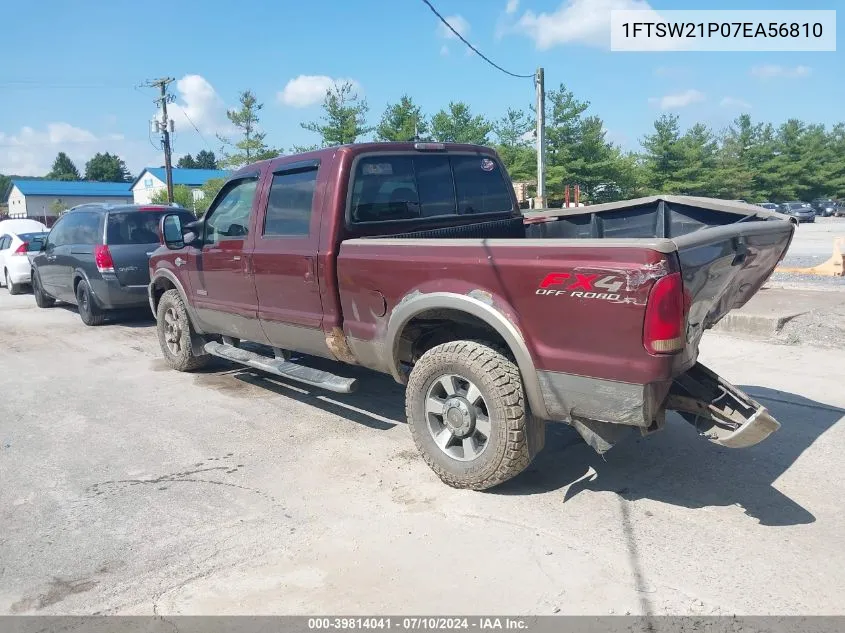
{"type": "Point", "coordinates": [31, 151]}
{"type": "Point", "coordinates": [677, 100]}
{"type": "Point", "coordinates": [513, 6]}
{"type": "Point", "coordinates": [458, 23]}
{"type": "Point", "coordinates": [575, 22]}
{"type": "Point", "coordinates": [203, 106]}
{"type": "Point", "coordinates": [307, 90]}
{"type": "Point", "coordinates": [733, 102]}
{"type": "Point", "coordinates": [771, 71]}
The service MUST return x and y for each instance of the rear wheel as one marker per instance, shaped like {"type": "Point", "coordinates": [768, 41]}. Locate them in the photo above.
{"type": "Point", "coordinates": [42, 299]}
{"type": "Point", "coordinates": [13, 288]}
{"type": "Point", "coordinates": [89, 311]}
{"type": "Point", "coordinates": [174, 334]}
{"type": "Point", "coordinates": [467, 414]}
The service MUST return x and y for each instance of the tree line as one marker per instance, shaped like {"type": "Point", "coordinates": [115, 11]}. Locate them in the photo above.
{"type": "Point", "coordinates": [748, 160]}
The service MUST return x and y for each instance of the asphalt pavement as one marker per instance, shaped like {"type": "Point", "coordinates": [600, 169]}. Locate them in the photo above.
{"type": "Point", "coordinates": [129, 488]}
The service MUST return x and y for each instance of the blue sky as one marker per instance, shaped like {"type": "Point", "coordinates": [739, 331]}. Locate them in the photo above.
{"type": "Point", "coordinates": [70, 71]}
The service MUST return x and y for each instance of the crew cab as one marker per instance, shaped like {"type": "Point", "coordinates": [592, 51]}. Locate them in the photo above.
{"type": "Point", "coordinates": [414, 259]}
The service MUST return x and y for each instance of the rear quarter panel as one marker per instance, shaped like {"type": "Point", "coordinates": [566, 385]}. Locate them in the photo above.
{"type": "Point", "coordinates": [564, 332]}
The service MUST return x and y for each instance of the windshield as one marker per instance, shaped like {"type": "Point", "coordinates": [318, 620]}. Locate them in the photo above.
{"type": "Point", "coordinates": [138, 227]}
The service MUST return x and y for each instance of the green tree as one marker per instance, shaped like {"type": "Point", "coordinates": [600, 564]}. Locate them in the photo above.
{"type": "Point", "coordinates": [458, 125]}
{"type": "Point", "coordinates": [344, 117]}
{"type": "Point", "coordinates": [515, 145]}
{"type": "Point", "coordinates": [205, 160]}
{"type": "Point", "coordinates": [210, 189]}
{"type": "Point", "coordinates": [402, 121]}
{"type": "Point", "coordinates": [107, 168]}
{"type": "Point", "coordinates": [664, 156]}
{"type": "Point", "coordinates": [251, 147]}
{"type": "Point", "coordinates": [63, 169]}
{"type": "Point", "coordinates": [697, 171]}
{"type": "Point", "coordinates": [187, 162]}
{"type": "Point", "coordinates": [58, 207]}
{"type": "Point", "coordinates": [182, 195]}
{"type": "Point", "coordinates": [563, 123]}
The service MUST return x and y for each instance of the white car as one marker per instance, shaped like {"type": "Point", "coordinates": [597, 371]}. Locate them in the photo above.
{"type": "Point", "coordinates": [15, 239]}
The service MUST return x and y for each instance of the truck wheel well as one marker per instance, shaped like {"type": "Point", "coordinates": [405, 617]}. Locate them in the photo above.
{"type": "Point", "coordinates": [162, 285]}
{"type": "Point", "coordinates": [435, 327]}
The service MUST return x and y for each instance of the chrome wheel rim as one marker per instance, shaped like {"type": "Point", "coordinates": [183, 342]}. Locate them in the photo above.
{"type": "Point", "coordinates": [172, 331]}
{"type": "Point", "coordinates": [457, 417]}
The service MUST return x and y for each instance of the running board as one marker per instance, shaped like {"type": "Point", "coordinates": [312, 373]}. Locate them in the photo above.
{"type": "Point", "coordinates": [283, 368]}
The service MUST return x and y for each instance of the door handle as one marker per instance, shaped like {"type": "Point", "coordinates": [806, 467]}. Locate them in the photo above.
{"type": "Point", "coordinates": [309, 271]}
{"type": "Point", "coordinates": [179, 261]}
{"type": "Point", "coordinates": [236, 258]}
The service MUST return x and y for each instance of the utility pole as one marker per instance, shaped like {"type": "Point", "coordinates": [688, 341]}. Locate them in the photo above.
{"type": "Point", "coordinates": [539, 82]}
{"type": "Point", "coordinates": [165, 128]}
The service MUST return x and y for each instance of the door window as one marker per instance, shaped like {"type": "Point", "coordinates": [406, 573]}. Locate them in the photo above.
{"type": "Point", "coordinates": [290, 202]}
{"type": "Point", "coordinates": [82, 229]}
{"type": "Point", "coordinates": [4, 242]}
{"type": "Point", "coordinates": [229, 218]}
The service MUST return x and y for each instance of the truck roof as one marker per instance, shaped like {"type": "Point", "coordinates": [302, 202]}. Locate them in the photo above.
{"type": "Point", "coordinates": [362, 148]}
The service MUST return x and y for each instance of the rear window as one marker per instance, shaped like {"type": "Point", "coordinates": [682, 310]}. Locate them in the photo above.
{"type": "Point", "coordinates": [138, 227]}
{"type": "Point", "coordinates": [29, 238]}
{"type": "Point", "coordinates": [409, 187]}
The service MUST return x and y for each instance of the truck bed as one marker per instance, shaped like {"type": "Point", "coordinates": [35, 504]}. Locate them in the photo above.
{"type": "Point", "coordinates": [586, 345]}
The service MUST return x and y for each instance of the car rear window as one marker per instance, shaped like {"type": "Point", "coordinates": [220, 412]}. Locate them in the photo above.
{"type": "Point", "coordinates": [138, 227]}
{"type": "Point", "coordinates": [29, 238]}
{"type": "Point", "coordinates": [407, 187]}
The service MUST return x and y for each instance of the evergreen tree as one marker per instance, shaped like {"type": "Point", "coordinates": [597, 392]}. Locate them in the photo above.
{"type": "Point", "coordinates": [344, 117]}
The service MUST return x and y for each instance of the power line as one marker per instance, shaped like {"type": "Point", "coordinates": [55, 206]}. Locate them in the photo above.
{"type": "Point", "coordinates": [477, 52]}
{"type": "Point", "coordinates": [182, 110]}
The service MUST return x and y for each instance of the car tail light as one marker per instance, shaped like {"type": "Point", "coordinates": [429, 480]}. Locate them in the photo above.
{"type": "Point", "coordinates": [21, 250]}
{"type": "Point", "coordinates": [665, 316]}
{"type": "Point", "coordinates": [102, 257]}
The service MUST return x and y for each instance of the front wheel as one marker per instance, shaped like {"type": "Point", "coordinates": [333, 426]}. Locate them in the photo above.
{"type": "Point", "coordinates": [467, 414]}
{"type": "Point", "coordinates": [42, 299]}
{"type": "Point", "coordinates": [174, 334]}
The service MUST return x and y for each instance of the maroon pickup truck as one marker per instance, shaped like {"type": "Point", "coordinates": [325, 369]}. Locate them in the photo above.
{"type": "Point", "coordinates": [415, 260]}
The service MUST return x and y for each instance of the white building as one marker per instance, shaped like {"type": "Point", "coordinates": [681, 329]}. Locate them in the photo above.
{"type": "Point", "coordinates": [43, 199]}
{"type": "Point", "coordinates": [153, 179]}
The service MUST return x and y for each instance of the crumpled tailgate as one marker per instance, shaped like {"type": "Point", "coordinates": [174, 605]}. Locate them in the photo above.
{"type": "Point", "coordinates": [723, 267]}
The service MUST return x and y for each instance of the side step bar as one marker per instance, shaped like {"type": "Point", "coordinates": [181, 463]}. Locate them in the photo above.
{"type": "Point", "coordinates": [283, 368]}
{"type": "Point", "coordinates": [719, 411]}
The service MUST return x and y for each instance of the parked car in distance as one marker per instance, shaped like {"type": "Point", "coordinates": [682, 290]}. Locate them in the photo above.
{"type": "Point", "coordinates": [14, 250]}
{"type": "Point", "coordinates": [801, 211]}
{"type": "Point", "coordinates": [771, 206]}
{"type": "Point", "coordinates": [824, 207]}
{"type": "Point", "coordinates": [414, 259]}
{"type": "Point", "coordinates": [97, 257]}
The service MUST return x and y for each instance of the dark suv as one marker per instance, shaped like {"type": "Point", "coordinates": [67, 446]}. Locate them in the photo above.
{"type": "Point", "coordinates": [97, 257]}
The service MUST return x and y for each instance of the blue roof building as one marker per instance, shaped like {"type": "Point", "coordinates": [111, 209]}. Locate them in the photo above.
{"type": "Point", "coordinates": [42, 199]}
{"type": "Point", "coordinates": [154, 179]}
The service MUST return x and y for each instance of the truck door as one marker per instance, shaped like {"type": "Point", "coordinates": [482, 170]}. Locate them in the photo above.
{"type": "Point", "coordinates": [224, 292]}
{"type": "Point", "coordinates": [285, 260]}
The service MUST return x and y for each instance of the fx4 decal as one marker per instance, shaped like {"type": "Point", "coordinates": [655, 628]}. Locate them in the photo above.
{"type": "Point", "coordinates": [584, 286]}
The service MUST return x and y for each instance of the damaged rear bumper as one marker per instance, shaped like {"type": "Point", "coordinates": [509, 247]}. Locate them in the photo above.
{"type": "Point", "coordinates": [719, 411]}
{"type": "Point", "coordinates": [604, 411]}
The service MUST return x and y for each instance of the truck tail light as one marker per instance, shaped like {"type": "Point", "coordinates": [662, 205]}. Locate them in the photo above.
{"type": "Point", "coordinates": [665, 316]}
{"type": "Point", "coordinates": [429, 147]}
{"type": "Point", "coordinates": [21, 250]}
{"type": "Point", "coordinates": [102, 257]}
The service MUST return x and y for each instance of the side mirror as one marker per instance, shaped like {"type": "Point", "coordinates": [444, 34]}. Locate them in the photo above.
{"type": "Point", "coordinates": [172, 232]}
